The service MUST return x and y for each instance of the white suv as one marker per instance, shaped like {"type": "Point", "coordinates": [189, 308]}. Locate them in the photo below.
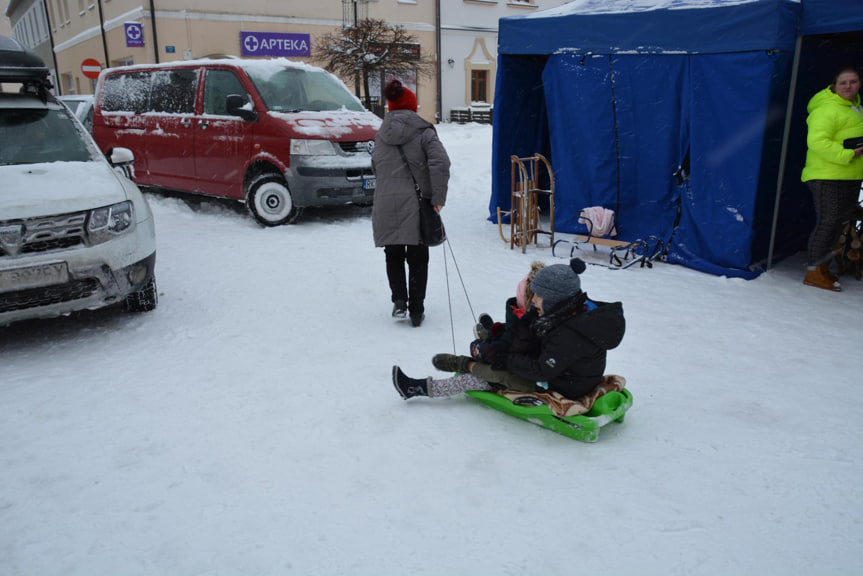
{"type": "Point", "coordinates": [75, 233]}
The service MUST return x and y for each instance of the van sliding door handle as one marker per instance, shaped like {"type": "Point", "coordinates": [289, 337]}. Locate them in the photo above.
{"type": "Point", "coordinates": [203, 124]}
{"type": "Point", "coordinates": [185, 122]}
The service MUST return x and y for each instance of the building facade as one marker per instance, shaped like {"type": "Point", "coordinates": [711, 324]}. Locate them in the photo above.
{"type": "Point", "coordinates": [468, 30]}
{"type": "Point", "coordinates": [78, 37]}
{"type": "Point", "coordinates": [29, 25]}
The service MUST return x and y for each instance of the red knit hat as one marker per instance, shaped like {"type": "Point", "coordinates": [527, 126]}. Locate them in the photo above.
{"type": "Point", "coordinates": [398, 97]}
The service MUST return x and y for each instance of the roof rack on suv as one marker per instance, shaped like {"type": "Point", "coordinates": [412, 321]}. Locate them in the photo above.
{"type": "Point", "coordinates": [19, 65]}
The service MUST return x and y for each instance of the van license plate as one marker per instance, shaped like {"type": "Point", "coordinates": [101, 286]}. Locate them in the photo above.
{"type": "Point", "coordinates": [369, 183]}
{"type": "Point", "coordinates": [34, 276]}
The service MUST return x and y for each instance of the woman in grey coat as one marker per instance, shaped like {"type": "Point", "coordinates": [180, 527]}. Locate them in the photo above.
{"type": "Point", "coordinates": [396, 214]}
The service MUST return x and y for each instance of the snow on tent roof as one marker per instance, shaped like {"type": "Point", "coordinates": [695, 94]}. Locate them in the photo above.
{"type": "Point", "coordinates": [648, 26]}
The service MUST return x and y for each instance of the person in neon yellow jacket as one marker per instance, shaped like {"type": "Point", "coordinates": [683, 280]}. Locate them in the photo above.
{"type": "Point", "coordinates": [832, 172]}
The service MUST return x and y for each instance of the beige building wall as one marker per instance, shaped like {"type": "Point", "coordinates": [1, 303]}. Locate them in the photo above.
{"type": "Point", "coordinates": [5, 26]}
{"type": "Point", "coordinates": [199, 28]}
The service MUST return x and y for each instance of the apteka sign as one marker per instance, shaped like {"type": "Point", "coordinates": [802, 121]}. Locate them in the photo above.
{"type": "Point", "coordinates": [134, 34]}
{"type": "Point", "coordinates": [275, 44]}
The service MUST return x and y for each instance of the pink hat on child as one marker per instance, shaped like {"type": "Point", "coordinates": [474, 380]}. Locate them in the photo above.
{"type": "Point", "coordinates": [519, 293]}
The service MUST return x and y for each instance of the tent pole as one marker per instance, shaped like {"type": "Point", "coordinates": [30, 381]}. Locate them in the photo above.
{"type": "Point", "coordinates": [783, 154]}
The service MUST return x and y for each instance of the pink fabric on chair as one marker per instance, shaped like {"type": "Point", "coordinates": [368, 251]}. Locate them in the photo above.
{"type": "Point", "coordinates": [599, 221]}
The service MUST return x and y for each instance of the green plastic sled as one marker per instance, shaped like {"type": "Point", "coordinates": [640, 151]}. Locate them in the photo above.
{"type": "Point", "coordinates": [610, 407]}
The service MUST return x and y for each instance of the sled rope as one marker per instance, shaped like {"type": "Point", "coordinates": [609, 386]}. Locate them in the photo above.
{"type": "Point", "coordinates": [449, 297]}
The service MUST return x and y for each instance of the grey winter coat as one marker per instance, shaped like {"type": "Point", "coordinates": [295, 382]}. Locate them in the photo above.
{"type": "Point", "coordinates": [395, 214]}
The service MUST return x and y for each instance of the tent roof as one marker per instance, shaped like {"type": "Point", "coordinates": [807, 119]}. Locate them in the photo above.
{"type": "Point", "coordinates": [829, 16]}
{"type": "Point", "coordinates": [654, 26]}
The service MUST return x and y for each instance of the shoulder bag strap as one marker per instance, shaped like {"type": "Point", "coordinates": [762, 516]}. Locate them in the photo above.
{"type": "Point", "coordinates": [405, 158]}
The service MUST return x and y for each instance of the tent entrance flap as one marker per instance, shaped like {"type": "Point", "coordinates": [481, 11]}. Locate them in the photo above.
{"type": "Point", "coordinates": [617, 136]}
{"type": "Point", "coordinates": [520, 125]}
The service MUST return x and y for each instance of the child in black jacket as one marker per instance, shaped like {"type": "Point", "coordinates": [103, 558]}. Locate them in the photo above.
{"type": "Point", "coordinates": [574, 334]}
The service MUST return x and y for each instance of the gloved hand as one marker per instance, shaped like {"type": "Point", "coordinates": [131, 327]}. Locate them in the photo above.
{"type": "Point", "coordinates": [496, 331]}
{"type": "Point", "coordinates": [481, 351]}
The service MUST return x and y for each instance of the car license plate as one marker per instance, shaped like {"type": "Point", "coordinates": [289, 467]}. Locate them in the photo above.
{"type": "Point", "coordinates": [34, 276]}
{"type": "Point", "coordinates": [369, 183]}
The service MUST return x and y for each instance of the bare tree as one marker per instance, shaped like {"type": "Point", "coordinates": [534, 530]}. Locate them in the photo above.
{"type": "Point", "coordinates": [369, 47]}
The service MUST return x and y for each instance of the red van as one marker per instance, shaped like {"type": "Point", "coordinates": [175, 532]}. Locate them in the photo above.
{"type": "Point", "coordinates": [276, 134]}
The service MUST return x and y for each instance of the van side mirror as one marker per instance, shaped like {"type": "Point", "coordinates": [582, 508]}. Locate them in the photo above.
{"type": "Point", "coordinates": [237, 107]}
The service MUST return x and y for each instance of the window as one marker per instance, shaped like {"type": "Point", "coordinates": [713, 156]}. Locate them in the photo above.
{"type": "Point", "coordinates": [173, 91]}
{"type": "Point", "coordinates": [219, 85]}
{"type": "Point", "coordinates": [296, 89]}
{"type": "Point", "coordinates": [40, 136]}
{"type": "Point", "coordinates": [166, 91]}
{"type": "Point", "coordinates": [63, 6]}
{"type": "Point", "coordinates": [126, 92]}
{"type": "Point", "coordinates": [479, 85]}
{"type": "Point", "coordinates": [52, 14]}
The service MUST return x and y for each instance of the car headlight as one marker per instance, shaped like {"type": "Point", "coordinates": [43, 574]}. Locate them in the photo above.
{"type": "Point", "coordinates": [110, 221]}
{"type": "Point", "coordinates": [312, 147]}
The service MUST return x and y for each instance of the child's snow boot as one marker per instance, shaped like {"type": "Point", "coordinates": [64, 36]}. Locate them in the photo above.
{"type": "Point", "coordinates": [815, 277]}
{"type": "Point", "coordinates": [451, 362]}
{"type": "Point", "coordinates": [409, 387]}
{"type": "Point", "coordinates": [480, 331]}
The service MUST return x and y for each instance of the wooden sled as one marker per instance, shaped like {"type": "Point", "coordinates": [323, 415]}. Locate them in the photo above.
{"type": "Point", "coordinates": [609, 252]}
{"type": "Point", "coordinates": [525, 223]}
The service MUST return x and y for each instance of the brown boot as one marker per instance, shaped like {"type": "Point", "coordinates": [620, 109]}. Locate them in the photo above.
{"type": "Point", "coordinates": [825, 271]}
{"type": "Point", "coordinates": [815, 277]}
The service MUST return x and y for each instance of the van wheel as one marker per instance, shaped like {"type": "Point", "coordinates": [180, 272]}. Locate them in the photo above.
{"type": "Point", "coordinates": [270, 201]}
{"type": "Point", "coordinates": [144, 300]}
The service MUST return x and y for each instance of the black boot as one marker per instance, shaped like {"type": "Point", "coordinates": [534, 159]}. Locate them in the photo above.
{"type": "Point", "coordinates": [409, 387]}
{"type": "Point", "coordinates": [451, 362]}
{"type": "Point", "coordinates": [400, 309]}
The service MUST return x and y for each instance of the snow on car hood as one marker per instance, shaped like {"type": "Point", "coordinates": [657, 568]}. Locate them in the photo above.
{"type": "Point", "coordinates": [29, 190]}
{"type": "Point", "coordinates": [334, 125]}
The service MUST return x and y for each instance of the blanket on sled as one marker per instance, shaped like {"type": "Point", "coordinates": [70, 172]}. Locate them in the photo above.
{"type": "Point", "coordinates": [563, 406]}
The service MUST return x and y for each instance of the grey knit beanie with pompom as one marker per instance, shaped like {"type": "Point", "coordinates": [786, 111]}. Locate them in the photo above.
{"type": "Point", "coordinates": [557, 282]}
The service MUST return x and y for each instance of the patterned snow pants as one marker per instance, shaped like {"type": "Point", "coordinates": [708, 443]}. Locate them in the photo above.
{"type": "Point", "coordinates": [482, 378]}
{"type": "Point", "coordinates": [835, 201]}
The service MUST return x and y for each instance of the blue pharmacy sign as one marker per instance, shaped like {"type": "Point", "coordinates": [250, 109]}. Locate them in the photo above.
{"type": "Point", "coordinates": [275, 44]}
{"type": "Point", "coordinates": [134, 34]}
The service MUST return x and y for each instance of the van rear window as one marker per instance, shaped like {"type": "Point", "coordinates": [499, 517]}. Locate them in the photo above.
{"type": "Point", "coordinates": [164, 91]}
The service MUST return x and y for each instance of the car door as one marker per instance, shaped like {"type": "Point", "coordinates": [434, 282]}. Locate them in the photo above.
{"type": "Point", "coordinates": [223, 143]}
{"type": "Point", "coordinates": [171, 128]}
{"type": "Point", "coordinates": [121, 117]}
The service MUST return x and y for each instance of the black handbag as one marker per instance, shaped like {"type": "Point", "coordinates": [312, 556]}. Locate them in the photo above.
{"type": "Point", "coordinates": [432, 230]}
{"type": "Point", "coordinates": [852, 143]}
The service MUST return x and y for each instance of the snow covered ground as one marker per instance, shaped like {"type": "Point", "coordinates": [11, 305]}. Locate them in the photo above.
{"type": "Point", "coordinates": [249, 425]}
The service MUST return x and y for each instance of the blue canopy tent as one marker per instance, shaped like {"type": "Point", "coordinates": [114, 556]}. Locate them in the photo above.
{"type": "Point", "coordinates": [620, 97]}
